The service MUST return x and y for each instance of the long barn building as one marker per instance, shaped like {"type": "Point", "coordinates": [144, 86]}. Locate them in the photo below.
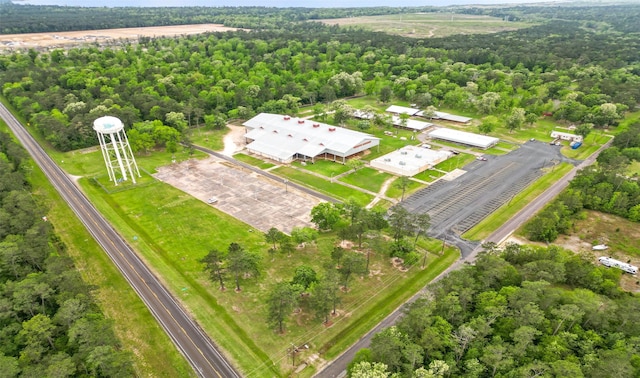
{"type": "Point", "coordinates": [284, 139]}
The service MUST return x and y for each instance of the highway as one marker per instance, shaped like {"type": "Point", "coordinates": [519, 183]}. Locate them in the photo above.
{"type": "Point", "coordinates": [192, 342]}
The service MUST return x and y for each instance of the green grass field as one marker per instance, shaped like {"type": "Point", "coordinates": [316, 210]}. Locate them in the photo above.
{"type": "Point", "coordinates": [428, 25]}
{"type": "Point", "coordinates": [429, 175]}
{"type": "Point", "coordinates": [367, 178]}
{"type": "Point", "coordinates": [330, 187]}
{"type": "Point", "coordinates": [253, 161]}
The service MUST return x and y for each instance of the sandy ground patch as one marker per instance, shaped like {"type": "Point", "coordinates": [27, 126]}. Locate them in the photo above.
{"type": "Point", "coordinates": [234, 140]}
{"type": "Point", "coordinates": [68, 39]}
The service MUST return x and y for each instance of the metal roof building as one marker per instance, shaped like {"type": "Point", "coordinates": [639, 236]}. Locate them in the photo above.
{"type": "Point", "coordinates": [451, 117]}
{"type": "Point", "coordinates": [284, 139]}
{"type": "Point", "coordinates": [411, 124]}
{"type": "Point", "coordinates": [462, 137]}
{"type": "Point", "coordinates": [402, 109]}
{"type": "Point", "coordinates": [410, 160]}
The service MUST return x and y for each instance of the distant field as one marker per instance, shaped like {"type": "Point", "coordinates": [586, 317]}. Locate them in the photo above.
{"type": "Point", "coordinates": [74, 38]}
{"type": "Point", "coordinates": [428, 25]}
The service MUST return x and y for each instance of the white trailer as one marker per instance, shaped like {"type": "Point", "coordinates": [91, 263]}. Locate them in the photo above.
{"type": "Point", "coordinates": [613, 263]}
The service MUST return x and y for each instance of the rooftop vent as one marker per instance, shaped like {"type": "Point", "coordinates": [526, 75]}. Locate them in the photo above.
{"type": "Point", "coordinates": [403, 152]}
{"type": "Point", "coordinates": [316, 125]}
{"type": "Point", "coordinates": [402, 163]}
{"type": "Point", "coordinates": [286, 118]}
{"type": "Point", "coordinates": [290, 136]}
{"type": "Point", "coordinates": [418, 156]}
{"type": "Point", "coordinates": [301, 121]}
{"type": "Point", "coordinates": [332, 129]}
{"type": "Point", "coordinates": [305, 139]}
{"type": "Point", "coordinates": [387, 159]}
{"type": "Point", "coordinates": [275, 131]}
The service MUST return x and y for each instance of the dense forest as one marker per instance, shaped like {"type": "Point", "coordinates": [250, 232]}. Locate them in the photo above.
{"type": "Point", "coordinates": [50, 325]}
{"type": "Point", "coordinates": [521, 312]}
{"type": "Point", "coordinates": [558, 68]}
{"type": "Point", "coordinates": [38, 19]}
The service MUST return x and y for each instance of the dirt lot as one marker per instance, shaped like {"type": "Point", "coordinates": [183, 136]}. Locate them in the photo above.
{"type": "Point", "coordinates": [67, 39]}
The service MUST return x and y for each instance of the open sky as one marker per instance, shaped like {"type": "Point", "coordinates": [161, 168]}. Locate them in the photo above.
{"type": "Point", "coordinates": [270, 3]}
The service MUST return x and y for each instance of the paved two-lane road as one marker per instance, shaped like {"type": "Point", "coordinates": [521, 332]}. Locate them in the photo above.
{"type": "Point", "coordinates": [194, 344]}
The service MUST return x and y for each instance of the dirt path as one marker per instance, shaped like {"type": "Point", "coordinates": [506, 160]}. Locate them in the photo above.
{"type": "Point", "coordinates": [382, 191]}
{"type": "Point", "coordinates": [234, 140]}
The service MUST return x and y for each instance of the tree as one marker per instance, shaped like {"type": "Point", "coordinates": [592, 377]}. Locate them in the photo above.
{"type": "Point", "coordinates": [325, 215]}
{"type": "Point", "coordinates": [352, 263]}
{"type": "Point", "coordinates": [421, 223]}
{"type": "Point", "coordinates": [389, 346]}
{"type": "Point", "coordinates": [366, 369]}
{"type": "Point", "coordinates": [281, 301]}
{"type": "Point", "coordinates": [385, 94]}
{"type": "Point", "coordinates": [489, 123]}
{"type": "Point", "coordinates": [273, 236]}
{"type": "Point", "coordinates": [355, 164]}
{"type": "Point", "coordinates": [488, 102]}
{"type": "Point", "coordinates": [325, 295]}
{"type": "Point", "coordinates": [214, 263]}
{"type": "Point", "coordinates": [584, 129]}
{"type": "Point", "coordinates": [403, 183]}
{"type": "Point", "coordinates": [400, 222]}
{"type": "Point", "coordinates": [303, 234]}
{"type": "Point", "coordinates": [515, 119]}
{"type": "Point", "coordinates": [241, 262]}
{"type": "Point", "coordinates": [304, 276]}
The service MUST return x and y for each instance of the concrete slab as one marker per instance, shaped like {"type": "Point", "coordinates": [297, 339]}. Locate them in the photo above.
{"type": "Point", "coordinates": [252, 198]}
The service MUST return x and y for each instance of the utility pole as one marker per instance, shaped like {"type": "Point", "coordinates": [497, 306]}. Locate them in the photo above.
{"type": "Point", "coordinates": [293, 354]}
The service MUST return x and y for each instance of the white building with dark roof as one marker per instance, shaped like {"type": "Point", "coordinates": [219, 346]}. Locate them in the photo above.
{"type": "Point", "coordinates": [462, 137]}
{"type": "Point", "coordinates": [284, 139]}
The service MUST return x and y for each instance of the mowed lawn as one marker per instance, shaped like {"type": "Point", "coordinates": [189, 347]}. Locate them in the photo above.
{"type": "Point", "coordinates": [173, 231]}
{"type": "Point", "coordinates": [367, 178]}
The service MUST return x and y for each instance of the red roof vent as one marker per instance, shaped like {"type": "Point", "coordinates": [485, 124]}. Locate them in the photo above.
{"type": "Point", "coordinates": [290, 136]}
{"type": "Point", "coordinates": [301, 121]}
{"type": "Point", "coordinates": [332, 129]}
{"type": "Point", "coordinates": [286, 118]}
{"type": "Point", "coordinates": [305, 139]}
{"type": "Point", "coordinates": [322, 144]}
{"type": "Point", "coordinates": [316, 125]}
{"type": "Point", "coordinates": [275, 131]}
{"type": "Point", "coordinates": [262, 127]}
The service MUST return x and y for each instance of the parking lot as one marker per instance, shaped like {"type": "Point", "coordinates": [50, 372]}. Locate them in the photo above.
{"type": "Point", "coordinates": [252, 198]}
{"type": "Point", "coordinates": [456, 206]}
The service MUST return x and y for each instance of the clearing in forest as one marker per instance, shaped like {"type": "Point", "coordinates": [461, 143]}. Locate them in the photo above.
{"type": "Point", "coordinates": [428, 25]}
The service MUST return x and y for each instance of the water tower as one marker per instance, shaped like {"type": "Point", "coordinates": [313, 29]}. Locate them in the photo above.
{"type": "Point", "coordinates": [115, 148]}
